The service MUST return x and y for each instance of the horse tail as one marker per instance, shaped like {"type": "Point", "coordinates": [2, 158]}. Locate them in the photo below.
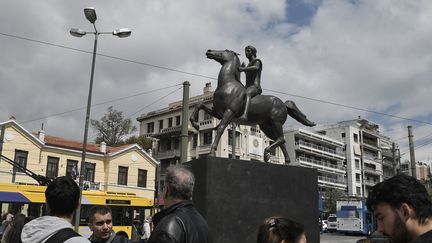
{"type": "Point", "coordinates": [294, 112]}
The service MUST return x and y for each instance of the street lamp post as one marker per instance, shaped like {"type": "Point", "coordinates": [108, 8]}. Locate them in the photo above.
{"type": "Point", "coordinates": [90, 14]}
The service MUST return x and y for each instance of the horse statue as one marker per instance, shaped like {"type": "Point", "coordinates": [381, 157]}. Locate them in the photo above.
{"type": "Point", "coordinates": [269, 112]}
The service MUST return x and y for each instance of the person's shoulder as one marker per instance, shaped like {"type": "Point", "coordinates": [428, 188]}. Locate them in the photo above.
{"type": "Point", "coordinates": [78, 239]}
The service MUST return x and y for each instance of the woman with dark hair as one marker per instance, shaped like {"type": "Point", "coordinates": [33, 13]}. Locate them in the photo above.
{"type": "Point", "coordinates": [281, 230]}
{"type": "Point", "coordinates": [13, 233]}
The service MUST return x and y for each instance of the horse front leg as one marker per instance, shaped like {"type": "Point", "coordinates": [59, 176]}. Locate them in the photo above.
{"type": "Point", "coordinates": [194, 116]}
{"type": "Point", "coordinates": [226, 119]}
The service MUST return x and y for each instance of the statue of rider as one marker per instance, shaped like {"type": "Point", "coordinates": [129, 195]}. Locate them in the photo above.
{"type": "Point", "coordinates": [253, 78]}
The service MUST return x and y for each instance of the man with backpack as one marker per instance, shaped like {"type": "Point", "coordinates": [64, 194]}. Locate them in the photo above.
{"type": "Point", "coordinates": [62, 199]}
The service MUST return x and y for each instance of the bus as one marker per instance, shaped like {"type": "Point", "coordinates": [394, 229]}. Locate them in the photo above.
{"type": "Point", "coordinates": [127, 208]}
{"type": "Point", "coordinates": [353, 217]}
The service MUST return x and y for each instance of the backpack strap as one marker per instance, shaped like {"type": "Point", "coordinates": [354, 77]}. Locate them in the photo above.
{"type": "Point", "coordinates": [62, 235]}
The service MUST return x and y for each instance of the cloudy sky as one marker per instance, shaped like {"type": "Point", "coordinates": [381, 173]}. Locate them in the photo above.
{"type": "Point", "coordinates": [329, 56]}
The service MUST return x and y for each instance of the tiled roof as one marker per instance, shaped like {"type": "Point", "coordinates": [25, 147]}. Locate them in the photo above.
{"type": "Point", "coordinates": [77, 145]}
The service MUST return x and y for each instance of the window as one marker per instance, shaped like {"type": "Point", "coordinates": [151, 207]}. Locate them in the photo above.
{"type": "Point", "coordinates": [207, 116]}
{"type": "Point", "coordinates": [160, 125]}
{"type": "Point", "coordinates": [170, 122]}
{"type": "Point", "coordinates": [358, 190]}
{"type": "Point", "coordinates": [176, 143]}
{"type": "Point", "coordinates": [357, 177]}
{"type": "Point", "coordinates": [357, 164]}
{"type": "Point", "coordinates": [195, 140]}
{"type": "Point", "coordinates": [142, 178]}
{"type": "Point", "coordinates": [355, 137]}
{"type": "Point", "coordinates": [70, 165]}
{"type": "Point", "coordinates": [122, 175]}
{"type": "Point", "coordinates": [177, 120]}
{"type": "Point", "coordinates": [207, 138]}
{"type": "Point", "coordinates": [90, 169]}
{"type": "Point", "coordinates": [21, 159]}
{"type": "Point", "coordinates": [150, 127]}
{"type": "Point", "coordinates": [237, 138]}
{"type": "Point", "coordinates": [343, 134]}
{"type": "Point", "coordinates": [52, 167]}
{"type": "Point", "coordinates": [168, 144]}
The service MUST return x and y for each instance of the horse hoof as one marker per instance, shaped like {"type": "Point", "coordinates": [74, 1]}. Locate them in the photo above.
{"type": "Point", "coordinates": [196, 126]}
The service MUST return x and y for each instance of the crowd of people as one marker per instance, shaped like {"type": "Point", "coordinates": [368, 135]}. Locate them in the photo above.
{"type": "Point", "coordinates": [401, 205]}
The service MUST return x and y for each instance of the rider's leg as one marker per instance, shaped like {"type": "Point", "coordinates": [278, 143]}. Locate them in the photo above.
{"type": "Point", "coordinates": [246, 110]}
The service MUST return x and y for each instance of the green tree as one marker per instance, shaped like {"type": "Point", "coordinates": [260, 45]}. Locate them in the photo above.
{"type": "Point", "coordinates": [141, 140]}
{"type": "Point", "coordinates": [112, 128]}
{"type": "Point", "coordinates": [330, 197]}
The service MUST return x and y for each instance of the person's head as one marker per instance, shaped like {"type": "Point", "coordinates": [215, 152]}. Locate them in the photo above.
{"type": "Point", "coordinates": [16, 227]}
{"type": "Point", "coordinates": [281, 230]}
{"type": "Point", "coordinates": [62, 197]}
{"type": "Point", "coordinates": [179, 184]}
{"type": "Point", "coordinates": [100, 221]}
{"type": "Point", "coordinates": [399, 203]}
{"type": "Point", "coordinates": [250, 51]}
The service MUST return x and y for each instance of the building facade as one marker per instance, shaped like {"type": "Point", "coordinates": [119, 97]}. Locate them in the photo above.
{"type": "Point", "coordinates": [127, 169]}
{"type": "Point", "coordinates": [327, 155]}
{"type": "Point", "coordinates": [370, 155]}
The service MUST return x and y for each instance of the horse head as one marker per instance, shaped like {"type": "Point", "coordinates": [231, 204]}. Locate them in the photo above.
{"type": "Point", "coordinates": [226, 58]}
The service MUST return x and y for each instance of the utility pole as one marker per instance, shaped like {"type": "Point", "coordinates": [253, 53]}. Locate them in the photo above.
{"type": "Point", "coordinates": [412, 155]}
{"type": "Point", "coordinates": [233, 140]}
{"type": "Point", "coordinates": [185, 123]}
{"type": "Point", "coordinates": [1, 140]}
{"type": "Point", "coordinates": [395, 163]}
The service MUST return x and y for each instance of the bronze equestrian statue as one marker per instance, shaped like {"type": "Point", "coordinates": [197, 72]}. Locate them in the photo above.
{"type": "Point", "coordinates": [269, 112]}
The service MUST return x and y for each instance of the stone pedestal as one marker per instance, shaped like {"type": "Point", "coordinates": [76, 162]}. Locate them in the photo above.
{"type": "Point", "coordinates": [235, 196]}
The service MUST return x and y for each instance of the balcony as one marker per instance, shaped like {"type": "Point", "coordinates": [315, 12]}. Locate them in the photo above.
{"type": "Point", "coordinates": [325, 166]}
{"type": "Point", "coordinates": [331, 153]}
{"type": "Point", "coordinates": [372, 171]}
{"type": "Point", "coordinates": [168, 154]}
{"type": "Point", "coordinates": [370, 182]}
{"type": "Point", "coordinates": [207, 124]}
{"type": "Point", "coordinates": [331, 182]}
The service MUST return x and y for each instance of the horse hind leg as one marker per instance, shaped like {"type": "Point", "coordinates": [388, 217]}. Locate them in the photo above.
{"type": "Point", "coordinates": [275, 131]}
{"type": "Point", "coordinates": [226, 119]}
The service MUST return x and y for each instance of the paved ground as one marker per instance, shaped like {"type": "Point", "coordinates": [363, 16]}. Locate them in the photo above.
{"type": "Point", "coordinates": [334, 237]}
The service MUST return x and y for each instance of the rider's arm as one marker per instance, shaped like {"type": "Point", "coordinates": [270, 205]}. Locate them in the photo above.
{"type": "Point", "coordinates": [253, 68]}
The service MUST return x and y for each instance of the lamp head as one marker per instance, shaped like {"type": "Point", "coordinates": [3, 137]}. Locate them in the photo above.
{"type": "Point", "coordinates": [90, 14]}
{"type": "Point", "coordinates": [77, 32]}
{"type": "Point", "coordinates": [121, 33]}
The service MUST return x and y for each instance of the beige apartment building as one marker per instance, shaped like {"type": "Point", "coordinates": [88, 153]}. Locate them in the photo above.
{"type": "Point", "coordinates": [126, 169]}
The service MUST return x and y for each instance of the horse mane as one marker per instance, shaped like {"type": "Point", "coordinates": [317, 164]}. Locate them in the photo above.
{"type": "Point", "coordinates": [237, 65]}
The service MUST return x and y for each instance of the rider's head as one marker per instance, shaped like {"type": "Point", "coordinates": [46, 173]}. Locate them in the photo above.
{"type": "Point", "coordinates": [252, 49]}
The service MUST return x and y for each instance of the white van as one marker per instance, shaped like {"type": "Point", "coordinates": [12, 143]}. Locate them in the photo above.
{"type": "Point", "coordinates": [332, 223]}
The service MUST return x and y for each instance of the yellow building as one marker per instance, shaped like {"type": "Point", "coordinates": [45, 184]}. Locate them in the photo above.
{"type": "Point", "coordinates": [127, 169]}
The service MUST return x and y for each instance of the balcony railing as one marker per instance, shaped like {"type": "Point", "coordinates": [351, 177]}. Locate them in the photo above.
{"type": "Point", "coordinates": [371, 170]}
{"type": "Point", "coordinates": [321, 148]}
{"type": "Point", "coordinates": [370, 182]}
{"type": "Point", "coordinates": [168, 153]}
{"type": "Point", "coordinates": [321, 164]}
{"type": "Point", "coordinates": [332, 180]}
{"type": "Point", "coordinates": [89, 185]}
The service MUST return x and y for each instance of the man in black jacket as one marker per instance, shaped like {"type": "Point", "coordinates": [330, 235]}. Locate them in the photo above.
{"type": "Point", "coordinates": [179, 221]}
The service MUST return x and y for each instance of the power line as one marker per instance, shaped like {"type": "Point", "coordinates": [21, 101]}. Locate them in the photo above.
{"type": "Point", "coordinates": [154, 102]}
{"type": "Point", "coordinates": [351, 107]}
{"type": "Point", "coordinates": [108, 56]}
{"type": "Point", "coordinates": [208, 77]}
{"type": "Point", "coordinates": [97, 104]}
